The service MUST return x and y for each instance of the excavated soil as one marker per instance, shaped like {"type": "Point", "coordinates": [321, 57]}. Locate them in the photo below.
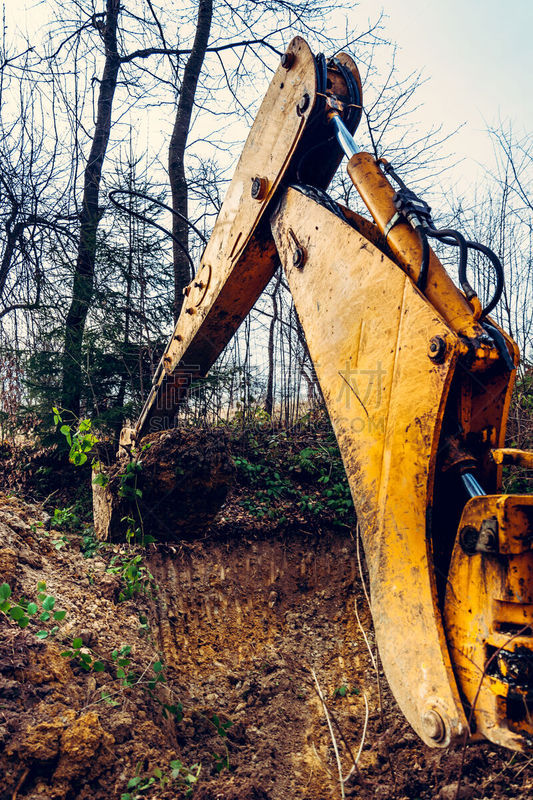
{"type": "Point", "coordinates": [183, 479]}
{"type": "Point", "coordinates": [237, 625]}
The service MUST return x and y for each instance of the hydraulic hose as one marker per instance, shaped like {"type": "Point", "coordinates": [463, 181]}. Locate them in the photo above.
{"type": "Point", "coordinates": [446, 237]}
{"type": "Point", "coordinates": [424, 264]}
{"type": "Point", "coordinates": [458, 240]}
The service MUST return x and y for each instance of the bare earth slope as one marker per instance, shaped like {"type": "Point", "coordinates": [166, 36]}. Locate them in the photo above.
{"type": "Point", "coordinates": [210, 662]}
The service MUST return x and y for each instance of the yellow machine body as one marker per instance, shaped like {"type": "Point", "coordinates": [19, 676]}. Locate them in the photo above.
{"type": "Point", "coordinates": [417, 389]}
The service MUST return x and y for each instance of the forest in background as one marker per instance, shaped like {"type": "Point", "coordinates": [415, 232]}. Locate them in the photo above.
{"type": "Point", "coordinates": [116, 113]}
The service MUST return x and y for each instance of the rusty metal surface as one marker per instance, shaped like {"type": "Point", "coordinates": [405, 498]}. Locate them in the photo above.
{"type": "Point", "coordinates": [237, 267]}
{"type": "Point", "coordinates": [511, 455]}
{"type": "Point", "coordinates": [489, 617]}
{"type": "Point", "coordinates": [368, 330]}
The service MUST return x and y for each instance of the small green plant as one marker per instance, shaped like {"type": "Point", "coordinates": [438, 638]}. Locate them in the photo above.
{"type": "Point", "coordinates": [90, 544]}
{"type": "Point", "coordinates": [167, 709]}
{"type": "Point", "coordinates": [221, 762]}
{"type": "Point", "coordinates": [136, 577]}
{"type": "Point", "coordinates": [144, 625]}
{"type": "Point", "coordinates": [83, 656]}
{"type": "Point", "coordinates": [23, 609]}
{"type": "Point", "coordinates": [108, 698]}
{"type": "Point", "coordinates": [123, 661]}
{"type": "Point", "coordinates": [343, 691]}
{"type": "Point", "coordinates": [222, 727]}
{"type": "Point", "coordinates": [64, 517]}
{"type": "Point", "coordinates": [178, 775]}
{"type": "Point", "coordinates": [340, 691]}
{"type": "Point", "coordinates": [128, 480]}
{"type": "Point", "coordinates": [80, 439]}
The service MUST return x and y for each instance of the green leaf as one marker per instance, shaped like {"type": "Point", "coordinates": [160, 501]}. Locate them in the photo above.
{"type": "Point", "coordinates": [108, 699]}
{"type": "Point", "coordinates": [23, 622]}
{"type": "Point", "coordinates": [49, 602]}
{"type": "Point", "coordinates": [59, 615]}
{"type": "Point", "coordinates": [133, 782]}
{"type": "Point", "coordinates": [120, 673]}
{"type": "Point", "coordinates": [98, 666]}
{"type": "Point", "coordinates": [41, 586]}
{"type": "Point", "coordinates": [41, 634]}
{"type": "Point", "coordinates": [158, 666]}
{"type": "Point", "coordinates": [67, 653]}
{"type": "Point", "coordinates": [5, 591]}
{"type": "Point", "coordinates": [5, 605]}
{"type": "Point", "coordinates": [45, 616]}
{"type": "Point", "coordinates": [16, 612]}
{"type": "Point", "coordinates": [77, 643]}
{"type": "Point", "coordinates": [65, 429]}
{"type": "Point", "coordinates": [32, 609]}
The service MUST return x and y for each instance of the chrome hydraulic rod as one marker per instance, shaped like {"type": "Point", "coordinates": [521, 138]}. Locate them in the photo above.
{"type": "Point", "coordinates": [344, 137]}
{"type": "Point", "coordinates": [472, 486]}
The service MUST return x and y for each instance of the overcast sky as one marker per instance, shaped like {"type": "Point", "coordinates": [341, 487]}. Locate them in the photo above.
{"type": "Point", "coordinates": [478, 57]}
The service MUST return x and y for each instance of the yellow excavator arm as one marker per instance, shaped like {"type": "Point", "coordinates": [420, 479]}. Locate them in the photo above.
{"type": "Point", "coordinates": [417, 380]}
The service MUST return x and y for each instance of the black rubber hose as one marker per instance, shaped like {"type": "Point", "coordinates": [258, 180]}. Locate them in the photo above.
{"type": "Point", "coordinates": [424, 265]}
{"type": "Point", "coordinates": [458, 240]}
{"type": "Point", "coordinates": [355, 109]}
{"type": "Point", "coordinates": [498, 269]}
{"type": "Point", "coordinates": [496, 263]}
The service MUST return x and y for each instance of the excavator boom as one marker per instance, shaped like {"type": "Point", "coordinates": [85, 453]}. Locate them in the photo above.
{"type": "Point", "coordinates": [417, 381]}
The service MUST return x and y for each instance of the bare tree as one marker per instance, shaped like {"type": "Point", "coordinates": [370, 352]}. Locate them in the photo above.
{"type": "Point", "coordinates": [90, 215]}
{"type": "Point", "coordinates": [176, 152]}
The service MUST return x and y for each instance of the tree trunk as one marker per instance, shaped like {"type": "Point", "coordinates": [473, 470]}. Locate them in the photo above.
{"type": "Point", "coordinates": [269, 399]}
{"type": "Point", "coordinates": [176, 153]}
{"type": "Point", "coordinates": [82, 289]}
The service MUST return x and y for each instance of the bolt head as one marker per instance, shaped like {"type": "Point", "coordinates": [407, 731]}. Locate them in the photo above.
{"type": "Point", "coordinates": [259, 188]}
{"type": "Point", "coordinates": [434, 726]}
{"type": "Point", "coordinates": [468, 538]}
{"type": "Point", "coordinates": [303, 105]}
{"type": "Point", "coordinates": [287, 60]}
{"type": "Point", "coordinates": [437, 349]}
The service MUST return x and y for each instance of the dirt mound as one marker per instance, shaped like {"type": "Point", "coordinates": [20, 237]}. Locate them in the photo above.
{"type": "Point", "coordinates": [190, 671]}
{"type": "Point", "coordinates": [174, 487]}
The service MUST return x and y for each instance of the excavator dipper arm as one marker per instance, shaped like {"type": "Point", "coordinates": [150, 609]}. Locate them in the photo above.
{"type": "Point", "coordinates": [417, 381]}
